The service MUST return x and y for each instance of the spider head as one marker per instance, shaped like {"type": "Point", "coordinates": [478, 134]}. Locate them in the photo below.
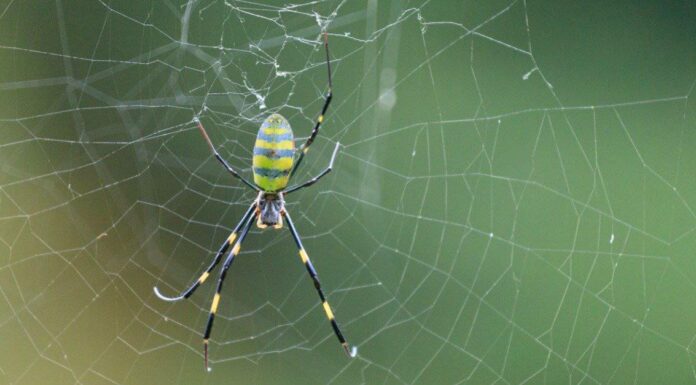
{"type": "Point", "coordinates": [270, 207]}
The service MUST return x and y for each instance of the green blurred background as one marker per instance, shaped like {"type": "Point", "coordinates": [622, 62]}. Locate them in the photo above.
{"type": "Point", "coordinates": [514, 201]}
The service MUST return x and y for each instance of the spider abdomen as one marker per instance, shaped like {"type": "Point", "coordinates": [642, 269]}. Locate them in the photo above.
{"type": "Point", "coordinates": [273, 154]}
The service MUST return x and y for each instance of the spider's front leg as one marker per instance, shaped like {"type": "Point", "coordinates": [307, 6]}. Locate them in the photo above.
{"type": "Point", "coordinates": [320, 119]}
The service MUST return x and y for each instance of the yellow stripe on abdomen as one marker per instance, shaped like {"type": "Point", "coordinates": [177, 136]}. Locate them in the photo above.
{"type": "Point", "coordinates": [271, 184]}
{"type": "Point", "coordinates": [275, 131]}
{"type": "Point", "coordinates": [262, 161]}
{"type": "Point", "coordinates": [284, 145]}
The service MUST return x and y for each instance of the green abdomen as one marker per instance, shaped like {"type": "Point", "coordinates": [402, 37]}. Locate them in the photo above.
{"type": "Point", "coordinates": [273, 154]}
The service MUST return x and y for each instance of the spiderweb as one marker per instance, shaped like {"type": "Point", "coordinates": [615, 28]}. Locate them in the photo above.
{"type": "Point", "coordinates": [513, 201]}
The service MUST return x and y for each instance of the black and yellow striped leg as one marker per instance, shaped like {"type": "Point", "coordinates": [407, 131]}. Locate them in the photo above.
{"type": "Point", "coordinates": [187, 293]}
{"type": "Point", "coordinates": [351, 351]}
{"type": "Point", "coordinates": [320, 119]}
{"type": "Point", "coordinates": [221, 279]}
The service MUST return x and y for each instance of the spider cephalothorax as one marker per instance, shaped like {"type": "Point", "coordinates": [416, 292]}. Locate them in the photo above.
{"type": "Point", "coordinates": [273, 166]}
{"type": "Point", "coordinates": [269, 207]}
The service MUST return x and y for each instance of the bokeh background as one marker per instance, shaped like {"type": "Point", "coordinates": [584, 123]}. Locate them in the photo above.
{"type": "Point", "coordinates": [514, 201]}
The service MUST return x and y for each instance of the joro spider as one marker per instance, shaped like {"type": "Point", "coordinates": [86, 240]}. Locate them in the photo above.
{"type": "Point", "coordinates": [273, 166]}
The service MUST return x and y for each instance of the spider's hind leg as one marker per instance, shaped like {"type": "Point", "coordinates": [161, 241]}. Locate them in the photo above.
{"type": "Point", "coordinates": [221, 279]}
{"type": "Point", "coordinates": [350, 351]}
{"type": "Point", "coordinates": [188, 292]}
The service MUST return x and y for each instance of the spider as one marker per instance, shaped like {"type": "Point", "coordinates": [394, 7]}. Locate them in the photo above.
{"type": "Point", "coordinates": [273, 166]}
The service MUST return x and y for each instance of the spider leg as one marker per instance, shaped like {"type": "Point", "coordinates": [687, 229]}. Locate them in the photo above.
{"type": "Point", "coordinates": [316, 178]}
{"type": "Point", "coordinates": [219, 158]}
{"type": "Point", "coordinates": [350, 351]}
{"type": "Point", "coordinates": [305, 147]}
{"type": "Point", "coordinates": [221, 279]}
{"type": "Point", "coordinates": [187, 293]}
